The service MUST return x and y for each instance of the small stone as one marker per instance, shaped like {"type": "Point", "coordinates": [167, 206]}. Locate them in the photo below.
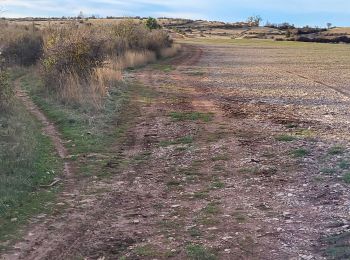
{"type": "Point", "coordinates": [227, 251]}
{"type": "Point", "coordinates": [306, 257]}
{"type": "Point", "coordinates": [14, 220]}
{"type": "Point", "coordinates": [136, 221]}
{"type": "Point", "coordinates": [213, 228]}
{"type": "Point", "coordinates": [175, 206]}
{"type": "Point", "coordinates": [286, 214]}
{"type": "Point", "coordinates": [280, 229]}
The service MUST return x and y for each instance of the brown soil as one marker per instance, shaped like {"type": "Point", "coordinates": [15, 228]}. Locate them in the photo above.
{"type": "Point", "coordinates": [48, 128]}
{"type": "Point", "coordinates": [224, 177]}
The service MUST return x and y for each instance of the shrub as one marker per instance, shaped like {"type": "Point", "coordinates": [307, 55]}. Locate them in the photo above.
{"type": "Point", "coordinates": [157, 40]}
{"type": "Point", "coordinates": [340, 39]}
{"type": "Point", "coordinates": [152, 23]}
{"type": "Point", "coordinates": [77, 60]}
{"type": "Point", "coordinates": [26, 49]}
{"type": "Point", "coordinates": [68, 52]}
{"type": "Point", "coordinates": [6, 90]}
{"type": "Point", "coordinates": [130, 35]}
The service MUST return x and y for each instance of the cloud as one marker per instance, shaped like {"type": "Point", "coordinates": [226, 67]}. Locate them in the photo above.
{"type": "Point", "coordinates": [312, 11]}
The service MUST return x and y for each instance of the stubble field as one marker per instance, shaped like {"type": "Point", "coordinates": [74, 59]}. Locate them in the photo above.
{"type": "Point", "coordinates": [239, 150]}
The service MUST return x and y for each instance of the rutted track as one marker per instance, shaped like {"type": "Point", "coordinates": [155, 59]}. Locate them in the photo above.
{"type": "Point", "coordinates": [337, 89]}
{"type": "Point", "coordinates": [49, 128]}
{"type": "Point", "coordinates": [226, 182]}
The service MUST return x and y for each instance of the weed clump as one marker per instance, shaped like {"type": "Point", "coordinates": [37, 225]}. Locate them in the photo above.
{"type": "Point", "coordinates": [285, 138]}
{"type": "Point", "coordinates": [336, 150]}
{"type": "Point", "coordinates": [80, 64]}
{"type": "Point", "coordinates": [24, 50]}
{"type": "Point", "coordinates": [199, 252]}
{"type": "Point", "coordinates": [6, 90]}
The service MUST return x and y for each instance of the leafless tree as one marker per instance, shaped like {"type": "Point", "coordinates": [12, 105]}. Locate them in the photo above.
{"type": "Point", "coordinates": [254, 20]}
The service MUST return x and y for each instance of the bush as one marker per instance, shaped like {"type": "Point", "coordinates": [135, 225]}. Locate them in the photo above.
{"type": "Point", "coordinates": [68, 52]}
{"type": "Point", "coordinates": [152, 24]}
{"type": "Point", "coordinates": [6, 90]}
{"type": "Point", "coordinates": [24, 50]}
{"type": "Point", "coordinates": [158, 40]}
{"type": "Point", "coordinates": [72, 57]}
{"type": "Point", "coordinates": [138, 37]}
{"type": "Point", "coordinates": [340, 39]}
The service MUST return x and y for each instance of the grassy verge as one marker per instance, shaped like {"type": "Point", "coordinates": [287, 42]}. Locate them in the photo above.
{"type": "Point", "coordinates": [28, 158]}
{"type": "Point", "coordinates": [27, 161]}
{"type": "Point", "coordinates": [91, 134]}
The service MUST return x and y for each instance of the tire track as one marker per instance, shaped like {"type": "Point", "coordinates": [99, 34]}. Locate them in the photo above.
{"type": "Point", "coordinates": [48, 128]}
{"type": "Point", "coordinates": [336, 89]}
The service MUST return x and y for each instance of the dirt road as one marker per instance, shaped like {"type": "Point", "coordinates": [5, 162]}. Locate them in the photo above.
{"type": "Point", "coordinates": [241, 153]}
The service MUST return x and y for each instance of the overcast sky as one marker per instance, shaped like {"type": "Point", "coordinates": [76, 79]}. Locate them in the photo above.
{"type": "Point", "coordinates": [299, 12]}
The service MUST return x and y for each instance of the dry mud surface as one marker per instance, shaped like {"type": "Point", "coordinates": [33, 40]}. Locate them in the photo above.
{"type": "Point", "coordinates": [242, 150]}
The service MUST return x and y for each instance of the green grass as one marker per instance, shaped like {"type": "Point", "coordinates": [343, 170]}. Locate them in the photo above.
{"type": "Point", "coordinates": [222, 157]}
{"type": "Point", "coordinates": [194, 73]}
{"type": "Point", "coordinates": [163, 67]}
{"type": "Point", "coordinates": [152, 251]}
{"type": "Point", "coordinates": [214, 136]}
{"type": "Point", "coordinates": [285, 138]}
{"type": "Point", "coordinates": [336, 150]}
{"type": "Point", "coordinates": [201, 195]}
{"type": "Point", "coordinates": [173, 183]}
{"type": "Point", "coordinates": [345, 165]}
{"type": "Point", "coordinates": [305, 133]}
{"type": "Point", "coordinates": [28, 160]}
{"type": "Point", "coordinates": [191, 116]}
{"type": "Point", "coordinates": [338, 246]}
{"type": "Point", "coordinates": [194, 232]}
{"type": "Point", "coordinates": [300, 153]}
{"type": "Point", "coordinates": [88, 130]}
{"type": "Point", "coordinates": [240, 216]}
{"type": "Point", "coordinates": [212, 209]}
{"type": "Point", "coordinates": [216, 185]}
{"type": "Point", "coordinates": [346, 178]}
{"type": "Point", "coordinates": [146, 250]}
{"type": "Point", "coordinates": [199, 252]}
{"type": "Point", "coordinates": [142, 157]}
{"type": "Point", "coordinates": [182, 140]}
{"type": "Point", "coordinates": [329, 171]}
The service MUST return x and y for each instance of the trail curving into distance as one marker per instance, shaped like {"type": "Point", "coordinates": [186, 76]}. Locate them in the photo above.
{"type": "Point", "coordinates": [48, 127]}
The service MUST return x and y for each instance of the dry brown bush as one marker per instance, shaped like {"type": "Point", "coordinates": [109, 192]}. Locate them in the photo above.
{"type": "Point", "coordinates": [6, 90]}
{"type": "Point", "coordinates": [20, 45]}
{"type": "Point", "coordinates": [79, 63]}
{"type": "Point", "coordinates": [171, 51]}
{"type": "Point", "coordinates": [26, 50]}
{"type": "Point", "coordinates": [132, 59]}
{"type": "Point", "coordinates": [71, 51]}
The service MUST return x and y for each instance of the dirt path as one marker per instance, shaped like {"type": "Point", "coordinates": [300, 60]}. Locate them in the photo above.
{"type": "Point", "coordinates": [48, 128]}
{"type": "Point", "coordinates": [227, 158]}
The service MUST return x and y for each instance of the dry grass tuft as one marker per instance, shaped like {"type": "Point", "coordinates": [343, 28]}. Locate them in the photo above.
{"type": "Point", "coordinates": [170, 51]}
{"type": "Point", "coordinates": [79, 63]}
{"type": "Point", "coordinates": [132, 59]}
